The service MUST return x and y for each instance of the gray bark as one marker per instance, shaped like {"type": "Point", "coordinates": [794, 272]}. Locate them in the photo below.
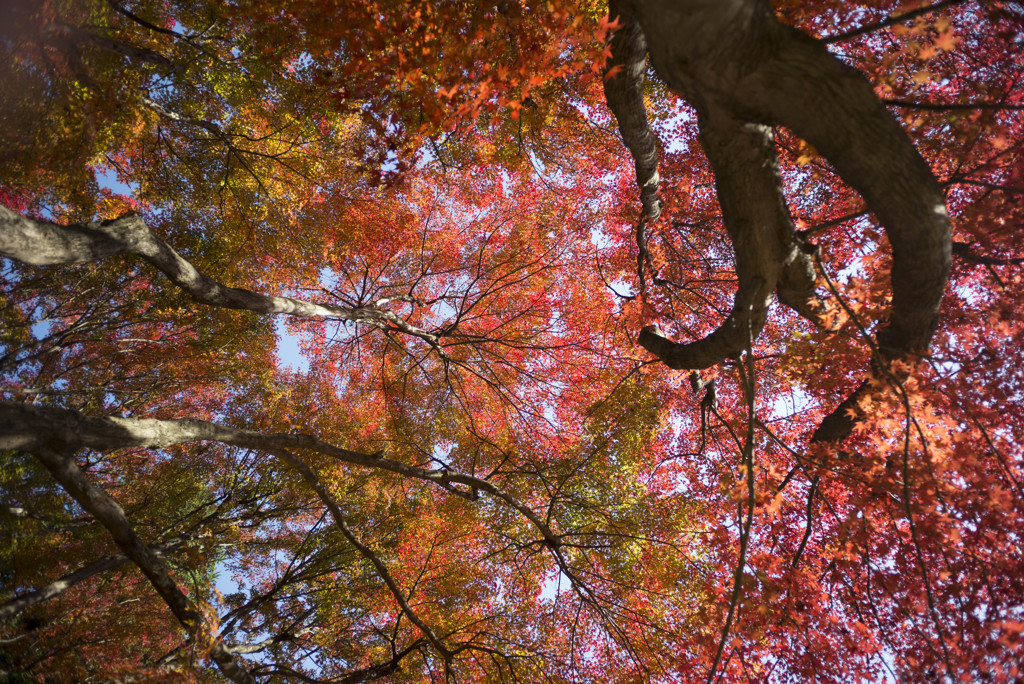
{"type": "Point", "coordinates": [267, 643]}
{"type": "Point", "coordinates": [732, 59]}
{"type": "Point", "coordinates": [625, 96]}
{"type": "Point", "coordinates": [41, 243]}
{"type": "Point", "coordinates": [90, 497]}
{"type": "Point", "coordinates": [29, 427]}
{"type": "Point", "coordinates": [32, 428]}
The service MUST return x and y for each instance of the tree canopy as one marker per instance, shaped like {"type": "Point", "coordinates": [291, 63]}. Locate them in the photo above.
{"type": "Point", "coordinates": [653, 340]}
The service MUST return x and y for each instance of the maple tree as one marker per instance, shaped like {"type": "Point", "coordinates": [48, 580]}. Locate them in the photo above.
{"type": "Point", "coordinates": [641, 341]}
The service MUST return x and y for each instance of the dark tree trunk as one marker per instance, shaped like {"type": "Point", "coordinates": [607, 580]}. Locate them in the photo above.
{"type": "Point", "coordinates": [742, 69]}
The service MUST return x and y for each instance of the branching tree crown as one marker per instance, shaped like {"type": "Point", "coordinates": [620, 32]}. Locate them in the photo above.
{"type": "Point", "coordinates": [640, 341]}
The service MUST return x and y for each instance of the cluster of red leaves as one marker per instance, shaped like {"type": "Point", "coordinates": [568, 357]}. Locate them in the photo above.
{"type": "Point", "coordinates": [508, 227]}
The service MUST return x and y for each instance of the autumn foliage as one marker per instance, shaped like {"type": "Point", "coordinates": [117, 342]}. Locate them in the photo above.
{"type": "Point", "coordinates": [338, 342]}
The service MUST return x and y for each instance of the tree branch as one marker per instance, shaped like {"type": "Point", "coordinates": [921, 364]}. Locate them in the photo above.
{"type": "Point", "coordinates": [964, 251]}
{"type": "Point", "coordinates": [623, 90]}
{"type": "Point", "coordinates": [39, 243]}
{"type": "Point", "coordinates": [891, 21]}
{"type": "Point", "coordinates": [67, 473]}
{"type": "Point", "coordinates": [763, 237]}
{"type": "Point", "coordinates": [130, 51]}
{"type": "Point", "coordinates": [952, 106]}
{"type": "Point", "coordinates": [30, 427]}
{"type": "Point", "coordinates": [734, 56]}
{"type": "Point", "coordinates": [27, 426]}
{"type": "Point", "coordinates": [12, 608]}
{"type": "Point", "coordinates": [366, 552]}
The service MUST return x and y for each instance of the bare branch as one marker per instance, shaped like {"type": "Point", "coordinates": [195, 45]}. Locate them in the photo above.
{"type": "Point", "coordinates": [952, 106]}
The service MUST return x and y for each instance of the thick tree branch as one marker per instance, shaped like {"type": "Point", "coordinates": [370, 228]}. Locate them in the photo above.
{"type": "Point", "coordinates": [41, 243]}
{"type": "Point", "coordinates": [734, 57]}
{"type": "Point", "coordinates": [834, 108]}
{"type": "Point", "coordinates": [29, 427]}
{"type": "Point", "coordinates": [763, 237]}
{"type": "Point", "coordinates": [80, 35]}
{"type": "Point", "coordinates": [267, 643]}
{"type": "Point", "coordinates": [67, 473]}
{"type": "Point", "coordinates": [624, 92]}
{"type": "Point", "coordinates": [208, 126]}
